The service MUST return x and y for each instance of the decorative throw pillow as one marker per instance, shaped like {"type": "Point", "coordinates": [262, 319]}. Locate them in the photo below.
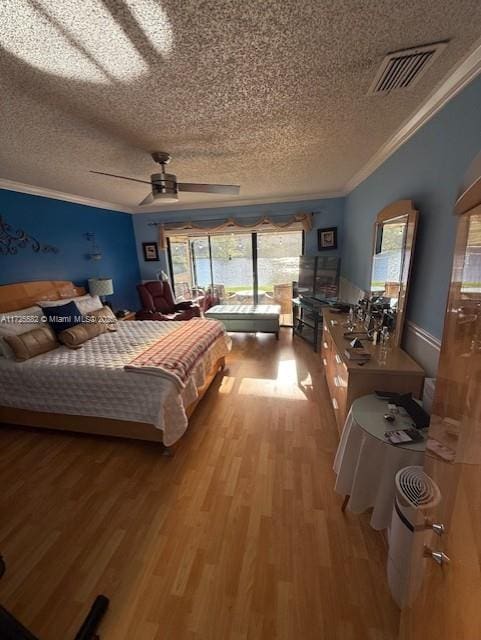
{"type": "Point", "coordinates": [63, 317]}
{"type": "Point", "coordinates": [76, 336]}
{"type": "Point", "coordinates": [105, 315]}
{"type": "Point", "coordinates": [86, 303]}
{"type": "Point", "coordinates": [94, 324]}
{"type": "Point", "coordinates": [13, 323]}
{"type": "Point", "coordinates": [32, 343]}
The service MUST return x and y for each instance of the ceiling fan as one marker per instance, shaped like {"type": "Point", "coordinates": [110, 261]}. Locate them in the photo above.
{"type": "Point", "coordinates": [164, 186]}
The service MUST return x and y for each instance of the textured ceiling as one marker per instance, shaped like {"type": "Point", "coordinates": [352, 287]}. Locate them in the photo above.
{"type": "Point", "coordinates": [267, 94]}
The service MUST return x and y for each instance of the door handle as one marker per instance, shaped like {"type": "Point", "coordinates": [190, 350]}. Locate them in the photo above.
{"type": "Point", "coordinates": [438, 556]}
{"type": "Point", "coordinates": [437, 527]}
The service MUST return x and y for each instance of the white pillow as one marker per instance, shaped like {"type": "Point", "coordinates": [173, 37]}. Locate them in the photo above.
{"type": "Point", "coordinates": [86, 304]}
{"type": "Point", "coordinates": [54, 303]}
{"type": "Point", "coordinates": [14, 323]}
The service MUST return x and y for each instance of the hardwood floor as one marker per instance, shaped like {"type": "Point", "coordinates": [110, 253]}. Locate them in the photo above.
{"type": "Point", "coordinates": [238, 536]}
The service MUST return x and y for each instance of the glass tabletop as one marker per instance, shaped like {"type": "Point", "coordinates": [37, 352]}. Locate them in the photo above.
{"type": "Point", "coordinates": [368, 412]}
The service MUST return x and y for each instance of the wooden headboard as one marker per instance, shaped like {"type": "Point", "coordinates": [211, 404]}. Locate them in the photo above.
{"type": "Point", "coordinates": [25, 294]}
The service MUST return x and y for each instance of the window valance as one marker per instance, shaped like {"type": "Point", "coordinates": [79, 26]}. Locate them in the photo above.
{"type": "Point", "coordinates": [292, 223]}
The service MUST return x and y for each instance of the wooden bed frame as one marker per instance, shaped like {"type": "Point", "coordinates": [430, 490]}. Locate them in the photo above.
{"type": "Point", "coordinates": [27, 294]}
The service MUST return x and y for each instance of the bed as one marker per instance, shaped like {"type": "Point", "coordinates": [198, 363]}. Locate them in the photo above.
{"type": "Point", "coordinates": [88, 390]}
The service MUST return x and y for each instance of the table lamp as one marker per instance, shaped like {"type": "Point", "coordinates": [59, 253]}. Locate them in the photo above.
{"type": "Point", "coordinates": [101, 287]}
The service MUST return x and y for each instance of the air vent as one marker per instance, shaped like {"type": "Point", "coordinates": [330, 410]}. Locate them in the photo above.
{"type": "Point", "coordinates": [402, 69]}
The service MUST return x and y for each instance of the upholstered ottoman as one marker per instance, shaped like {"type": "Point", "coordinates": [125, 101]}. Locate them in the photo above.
{"type": "Point", "coordinates": [247, 317]}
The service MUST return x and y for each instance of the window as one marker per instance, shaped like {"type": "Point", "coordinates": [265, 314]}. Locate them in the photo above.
{"type": "Point", "coordinates": [241, 268]}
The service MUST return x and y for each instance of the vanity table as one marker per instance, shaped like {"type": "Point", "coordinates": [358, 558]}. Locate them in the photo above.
{"type": "Point", "coordinates": [389, 369]}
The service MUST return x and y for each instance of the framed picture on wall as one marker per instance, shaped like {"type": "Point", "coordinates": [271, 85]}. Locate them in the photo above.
{"type": "Point", "coordinates": [327, 238]}
{"type": "Point", "coordinates": [151, 251]}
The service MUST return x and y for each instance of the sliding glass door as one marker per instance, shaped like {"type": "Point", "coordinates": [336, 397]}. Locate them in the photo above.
{"type": "Point", "coordinates": [201, 263]}
{"type": "Point", "coordinates": [241, 268]}
{"type": "Point", "coordinates": [233, 268]}
{"type": "Point", "coordinates": [277, 268]}
{"type": "Point", "coordinates": [181, 268]}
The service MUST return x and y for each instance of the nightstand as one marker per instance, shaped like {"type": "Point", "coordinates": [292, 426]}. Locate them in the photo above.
{"type": "Point", "coordinates": [129, 316]}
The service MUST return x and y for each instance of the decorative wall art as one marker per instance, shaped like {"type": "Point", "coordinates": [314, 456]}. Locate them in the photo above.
{"type": "Point", "coordinates": [12, 240]}
{"type": "Point", "coordinates": [95, 253]}
{"type": "Point", "coordinates": [327, 238]}
{"type": "Point", "coordinates": [151, 251]}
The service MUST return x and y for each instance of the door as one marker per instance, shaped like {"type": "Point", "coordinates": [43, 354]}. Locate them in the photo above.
{"type": "Point", "coordinates": [201, 264]}
{"type": "Point", "coordinates": [181, 267]}
{"type": "Point", "coordinates": [233, 269]}
{"type": "Point", "coordinates": [444, 600]}
{"type": "Point", "coordinates": [278, 266]}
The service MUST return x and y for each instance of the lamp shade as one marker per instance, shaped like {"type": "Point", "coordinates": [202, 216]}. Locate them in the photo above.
{"type": "Point", "coordinates": [101, 286]}
{"type": "Point", "coordinates": [163, 276]}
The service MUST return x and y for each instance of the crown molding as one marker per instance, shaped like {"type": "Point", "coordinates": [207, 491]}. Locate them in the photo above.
{"type": "Point", "coordinates": [453, 84]}
{"type": "Point", "coordinates": [243, 202]}
{"type": "Point", "coordinates": [21, 187]}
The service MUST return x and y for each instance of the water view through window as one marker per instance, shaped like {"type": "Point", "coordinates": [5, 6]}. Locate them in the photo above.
{"type": "Point", "coordinates": [240, 268]}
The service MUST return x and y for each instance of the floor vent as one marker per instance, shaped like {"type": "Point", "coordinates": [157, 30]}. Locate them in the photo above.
{"type": "Point", "coordinates": [402, 69]}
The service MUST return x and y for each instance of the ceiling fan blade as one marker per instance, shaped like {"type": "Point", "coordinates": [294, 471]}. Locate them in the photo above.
{"type": "Point", "coordinates": [112, 175]}
{"type": "Point", "coordinates": [148, 200]}
{"type": "Point", "coordinates": [230, 189]}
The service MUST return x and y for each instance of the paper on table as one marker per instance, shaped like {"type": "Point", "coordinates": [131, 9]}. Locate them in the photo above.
{"type": "Point", "coordinates": [398, 437]}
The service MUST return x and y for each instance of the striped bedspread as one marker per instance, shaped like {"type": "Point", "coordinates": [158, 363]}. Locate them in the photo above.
{"type": "Point", "coordinates": [175, 355]}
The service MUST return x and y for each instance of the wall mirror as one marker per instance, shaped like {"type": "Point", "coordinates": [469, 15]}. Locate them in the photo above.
{"type": "Point", "coordinates": [394, 238]}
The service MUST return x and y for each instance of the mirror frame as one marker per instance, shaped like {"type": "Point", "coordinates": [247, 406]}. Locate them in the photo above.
{"type": "Point", "coordinates": [469, 195]}
{"type": "Point", "coordinates": [395, 210]}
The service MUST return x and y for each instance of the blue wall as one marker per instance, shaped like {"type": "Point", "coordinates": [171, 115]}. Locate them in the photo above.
{"type": "Point", "coordinates": [428, 169]}
{"type": "Point", "coordinates": [63, 225]}
{"type": "Point", "coordinates": [327, 213]}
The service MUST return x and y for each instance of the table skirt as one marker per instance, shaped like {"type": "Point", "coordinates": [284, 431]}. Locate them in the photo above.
{"type": "Point", "coordinates": [366, 468]}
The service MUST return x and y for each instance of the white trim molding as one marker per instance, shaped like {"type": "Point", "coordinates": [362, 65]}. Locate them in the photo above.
{"type": "Point", "coordinates": [453, 84]}
{"type": "Point", "coordinates": [430, 340]}
{"type": "Point", "coordinates": [423, 347]}
{"type": "Point", "coordinates": [44, 192]}
{"type": "Point", "coordinates": [21, 187]}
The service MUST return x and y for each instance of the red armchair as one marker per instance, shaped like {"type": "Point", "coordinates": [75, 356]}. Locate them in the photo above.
{"type": "Point", "coordinates": [158, 303]}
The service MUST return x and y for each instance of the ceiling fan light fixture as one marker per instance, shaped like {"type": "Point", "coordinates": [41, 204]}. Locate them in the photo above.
{"type": "Point", "coordinates": [164, 183]}
{"type": "Point", "coordinates": [164, 186]}
{"type": "Point", "coordinates": [166, 197]}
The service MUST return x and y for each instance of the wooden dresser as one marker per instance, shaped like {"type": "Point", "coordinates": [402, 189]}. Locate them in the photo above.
{"type": "Point", "coordinates": [388, 370]}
